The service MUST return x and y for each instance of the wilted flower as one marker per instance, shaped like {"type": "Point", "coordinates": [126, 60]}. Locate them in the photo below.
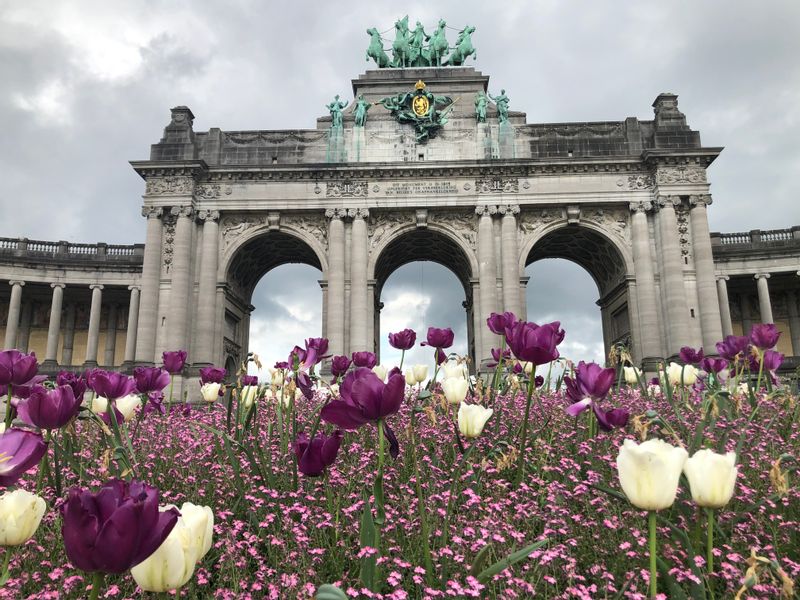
{"type": "Point", "coordinates": [712, 477]}
{"type": "Point", "coordinates": [681, 374]}
{"type": "Point", "coordinates": [116, 528]}
{"type": "Point", "coordinates": [364, 359]}
{"type": "Point", "coordinates": [20, 515]}
{"type": "Point", "coordinates": [632, 375]}
{"type": "Point", "coordinates": [313, 458]}
{"type": "Point", "coordinates": [649, 472]}
{"type": "Point", "coordinates": [50, 409]}
{"type": "Point", "coordinates": [174, 361]}
{"type": "Point", "coordinates": [403, 340]}
{"type": "Point", "coordinates": [534, 343]}
{"type": "Point", "coordinates": [150, 379]}
{"type": "Point", "coordinates": [17, 368]}
{"type": "Point", "coordinates": [764, 335]}
{"type": "Point", "coordinates": [455, 389]}
{"type": "Point", "coordinates": [439, 338]}
{"type": "Point", "coordinates": [20, 451]}
{"type": "Point", "coordinates": [472, 418]}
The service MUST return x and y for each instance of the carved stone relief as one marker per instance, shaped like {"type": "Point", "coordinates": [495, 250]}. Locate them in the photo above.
{"type": "Point", "coordinates": [613, 220]}
{"type": "Point", "coordinates": [169, 186]}
{"type": "Point", "coordinates": [380, 224]}
{"type": "Point", "coordinates": [465, 224]}
{"type": "Point", "coordinates": [347, 189]}
{"type": "Point", "coordinates": [497, 186]}
{"type": "Point", "coordinates": [312, 223]}
{"type": "Point", "coordinates": [640, 182]}
{"type": "Point", "coordinates": [169, 238]}
{"type": "Point", "coordinates": [682, 216]}
{"type": "Point", "coordinates": [232, 226]}
{"type": "Point", "coordinates": [681, 174]}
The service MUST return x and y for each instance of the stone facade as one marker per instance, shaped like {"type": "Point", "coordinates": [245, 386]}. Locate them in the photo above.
{"type": "Point", "coordinates": [626, 200]}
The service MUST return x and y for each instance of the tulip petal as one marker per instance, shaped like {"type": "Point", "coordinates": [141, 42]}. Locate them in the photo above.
{"type": "Point", "coordinates": [343, 414]}
{"type": "Point", "coordinates": [394, 446]}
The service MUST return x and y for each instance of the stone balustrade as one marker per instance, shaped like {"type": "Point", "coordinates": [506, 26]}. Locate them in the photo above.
{"type": "Point", "coordinates": [755, 238]}
{"type": "Point", "coordinates": [14, 249]}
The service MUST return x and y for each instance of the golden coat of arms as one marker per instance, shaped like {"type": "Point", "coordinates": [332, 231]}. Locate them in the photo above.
{"type": "Point", "coordinates": [420, 105]}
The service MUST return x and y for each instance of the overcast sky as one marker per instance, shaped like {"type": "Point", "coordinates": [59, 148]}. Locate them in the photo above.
{"type": "Point", "coordinates": [87, 86]}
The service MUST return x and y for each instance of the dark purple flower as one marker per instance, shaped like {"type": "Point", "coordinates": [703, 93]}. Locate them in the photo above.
{"type": "Point", "coordinates": [76, 382]}
{"type": "Point", "coordinates": [116, 528]}
{"type": "Point", "coordinates": [610, 419]}
{"type": "Point", "coordinates": [305, 384]}
{"type": "Point", "coordinates": [538, 381]}
{"type": "Point", "coordinates": [364, 398]}
{"type": "Point", "coordinates": [764, 335]}
{"type": "Point", "coordinates": [17, 368]}
{"type": "Point", "coordinates": [112, 385]}
{"type": "Point", "coordinates": [439, 338]}
{"type": "Point", "coordinates": [403, 340]}
{"type": "Point", "coordinates": [591, 381]}
{"type": "Point", "coordinates": [690, 356]}
{"type": "Point", "coordinates": [150, 379]}
{"type": "Point", "coordinates": [440, 356]}
{"type": "Point", "coordinates": [732, 346]}
{"type": "Point", "coordinates": [534, 343]}
{"type": "Point", "coordinates": [20, 451]}
{"type": "Point", "coordinates": [498, 354]}
{"type": "Point", "coordinates": [249, 380]}
{"type": "Point", "coordinates": [282, 366]}
{"type": "Point", "coordinates": [174, 361]}
{"type": "Point", "coordinates": [499, 323]}
{"type": "Point", "coordinates": [339, 366]}
{"type": "Point", "coordinates": [772, 360]}
{"type": "Point", "coordinates": [155, 402]}
{"type": "Point", "coordinates": [89, 376]}
{"type": "Point", "coordinates": [364, 359]}
{"type": "Point", "coordinates": [714, 365]}
{"type": "Point", "coordinates": [21, 392]}
{"type": "Point", "coordinates": [313, 458]}
{"type": "Point", "coordinates": [50, 409]}
{"type": "Point", "coordinates": [316, 350]}
{"type": "Point", "coordinates": [211, 375]}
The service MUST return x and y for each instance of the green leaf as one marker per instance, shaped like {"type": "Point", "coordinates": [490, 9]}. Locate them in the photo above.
{"type": "Point", "coordinates": [667, 582]}
{"type": "Point", "coordinates": [508, 561]}
{"type": "Point", "coordinates": [329, 592]}
{"type": "Point", "coordinates": [368, 536]}
{"type": "Point", "coordinates": [480, 560]}
{"type": "Point", "coordinates": [424, 394]}
{"type": "Point", "coordinates": [609, 491]}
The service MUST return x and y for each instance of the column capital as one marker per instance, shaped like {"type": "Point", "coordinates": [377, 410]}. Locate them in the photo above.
{"type": "Point", "coordinates": [135, 287]}
{"type": "Point", "coordinates": [18, 282]}
{"type": "Point", "coordinates": [58, 285]}
{"type": "Point", "coordinates": [700, 200]}
{"type": "Point", "coordinates": [508, 210]}
{"type": "Point", "coordinates": [761, 276]}
{"type": "Point", "coordinates": [722, 278]}
{"type": "Point", "coordinates": [671, 201]}
{"type": "Point", "coordinates": [181, 211]}
{"type": "Point", "coordinates": [208, 215]}
{"type": "Point", "coordinates": [96, 286]}
{"type": "Point", "coordinates": [643, 206]}
{"type": "Point", "coordinates": [335, 213]}
{"type": "Point", "coordinates": [486, 210]}
{"type": "Point", "coordinates": [152, 212]}
{"type": "Point", "coordinates": [358, 213]}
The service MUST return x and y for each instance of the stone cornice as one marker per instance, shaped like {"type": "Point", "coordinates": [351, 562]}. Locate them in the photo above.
{"type": "Point", "coordinates": [178, 168]}
{"type": "Point", "coordinates": [686, 156]}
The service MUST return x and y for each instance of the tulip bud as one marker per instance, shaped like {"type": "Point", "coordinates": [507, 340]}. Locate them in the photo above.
{"type": "Point", "coordinates": [410, 379]}
{"type": "Point", "coordinates": [455, 389]}
{"type": "Point", "coordinates": [454, 370]}
{"type": "Point", "coordinates": [675, 372]}
{"type": "Point", "coordinates": [649, 472]}
{"type": "Point", "coordinates": [712, 477]}
{"type": "Point", "coordinates": [380, 371]}
{"type": "Point", "coordinates": [248, 395]}
{"type": "Point", "coordinates": [210, 391]}
{"type": "Point", "coordinates": [420, 373]}
{"type": "Point", "coordinates": [472, 418]}
{"type": "Point", "coordinates": [632, 375]}
{"type": "Point", "coordinates": [126, 405]}
{"type": "Point", "coordinates": [20, 515]}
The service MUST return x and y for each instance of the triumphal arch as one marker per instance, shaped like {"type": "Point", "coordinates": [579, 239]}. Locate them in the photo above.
{"type": "Point", "coordinates": [427, 163]}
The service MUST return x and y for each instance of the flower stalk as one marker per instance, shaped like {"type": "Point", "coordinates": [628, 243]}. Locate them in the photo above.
{"type": "Point", "coordinates": [651, 523]}
{"type": "Point", "coordinates": [523, 441]}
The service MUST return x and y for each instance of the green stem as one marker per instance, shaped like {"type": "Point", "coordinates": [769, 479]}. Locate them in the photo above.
{"type": "Point", "coordinates": [402, 356]}
{"type": "Point", "coordinates": [651, 522]}
{"type": "Point", "coordinates": [523, 441]}
{"type": "Point", "coordinates": [97, 583]}
{"type": "Point", "coordinates": [171, 385]}
{"type": "Point", "coordinates": [8, 407]}
{"type": "Point", "coordinates": [710, 541]}
{"type": "Point", "coordinates": [6, 561]}
{"type": "Point", "coordinates": [760, 371]}
{"type": "Point", "coordinates": [421, 504]}
{"type": "Point", "coordinates": [450, 506]}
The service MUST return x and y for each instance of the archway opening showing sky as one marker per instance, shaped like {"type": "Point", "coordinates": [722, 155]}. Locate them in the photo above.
{"type": "Point", "coordinates": [419, 295]}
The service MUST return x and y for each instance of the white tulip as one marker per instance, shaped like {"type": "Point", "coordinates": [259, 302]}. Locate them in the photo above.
{"type": "Point", "coordinates": [126, 405]}
{"type": "Point", "coordinates": [712, 477]}
{"type": "Point", "coordinates": [420, 373]}
{"type": "Point", "coordinates": [649, 472]}
{"type": "Point", "coordinates": [472, 418]}
{"type": "Point", "coordinates": [632, 375]}
{"type": "Point", "coordinates": [380, 371]}
{"type": "Point", "coordinates": [410, 379]}
{"type": "Point", "coordinates": [455, 389]}
{"type": "Point", "coordinates": [276, 377]}
{"type": "Point", "coordinates": [676, 371]}
{"type": "Point", "coordinates": [172, 564]}
{"type": "Point", "coordinates": [20, 515]}
{"type": "Point", "coordinates": [210, 391]}
{"type": "Point", "coordinates": [653, 389]}
{"type": "Point", "coordinates": [526, 366]}
{"type": "Point", "coordinates": [248, 395]}
{"type": "Point", "coordinates": [2, 427]}
{"type": "Point", "coordinates": [454, 370]}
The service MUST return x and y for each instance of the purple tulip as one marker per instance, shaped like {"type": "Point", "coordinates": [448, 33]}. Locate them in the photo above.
{"type": "Point", "coordinates": [76, 382]}
{"type": "Point", "coordinates": [690, 356]}
{"type": "Point", "coordinates": [439, 338]}
{"type": "Point", "coordinates": [316, 350]}
{"type": "Point", "coordinates": [174, 361]}
{"type": "Point", "coordinates": [305, 384]}
{"type": "Point", "coordinates": [17, 368]}
{"type": "Point", "coordinates": [610, 419]}
{"type": "Point", "coordinates": [116, 528]}
{"type": "Point", "coordinates": [764, 335]}
{"type": "Point", "coordinates": [155, 402]}
{"type": "Point", "coordinates": [21, 392]}
{"type": "Point", "coordinates": [50, 409]}
{"type": "Point", "coordinates": [772, 360]}
{"type": "Point", "coordinates": [150, 379]}
{"type": "Point", "coordinates": [403, 340]}
{"type": "Point", "coordinates": [535, 343]}
{"type": "Point", "coordinates": [591, 381]}
{"type": "Point", "coordinates": [732, 346]}
{"type": "Point", "coordinates": [282, 366]}
{"type": "Point", "coordinates": [20, 451]}
{"type": "Point", "coordinates": [313, 458]}
{"type": "Point", "coordinates": [499, 323]}
{"type": "Point", "coordinates": [249, 380]}
{"type": "Point", "coordinates": [112, 385]}
{"type": "Point", "coordinates": [212, 375]}
{"type": "Point", "coordinates": [364, 359]}
{"type": "Point", "coordinates": [440, 356]}
{"type": "Point", "coordinates": [296, 357]}
{"type": "Point", "coordinates": [714, 365]}
{"type": "Point", "coordinates": [339, 366]}
{"type": "Point", "coordinates": [89, 376]}
{"type": "Point", "coordinates": [538, 381]}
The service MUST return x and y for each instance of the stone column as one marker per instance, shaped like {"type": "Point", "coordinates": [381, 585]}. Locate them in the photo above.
{"type": "Point", "coordinates": [54, 327]}
{"type": "Point", "coordinates": [207, 290]}
{"type": "Point", "coordinates": [24, 333]}
{"type": "Point", "coordinates": [648, 335]}
{"type": "Point", "coordinates": [724, 306]}
{"type": "Point", "coordinates": [69, 335]}
{"type": "Point", "coordinates": [510, 258]}
{"type": "Point", "coordinates": [764, 304]}
{"type": "Point", "coordinates": [359, 253]}
{"type": "Point", "coordinates": [794, 321]}
{"type": "Point", "coordinates": [133, 323]}
{"type": "Point", "coordinates": [179, 303]}
{"type": "Point", "coordinates": [14, 307]}
{"type": "Point", "coordinates": [744, 306]}
{"type": "Point", "coordinates": [94, 325]}
{"type": "Point", "coordinates": [710, 318]}
{"type": "Point", "coordinates": [487, 273]}
{"type": "Point", "coordinates": [111, 335]}
{"type": "Point", "coordinates": [336, 304]}
{"type": "Point", "coordinates": [151, 276]}
{"type": "Point", "coordinates": [672, 285]}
